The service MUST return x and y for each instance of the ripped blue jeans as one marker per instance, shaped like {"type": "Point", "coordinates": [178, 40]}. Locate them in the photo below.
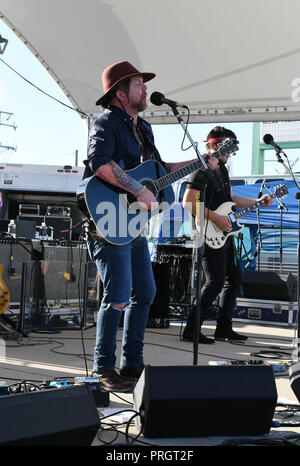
{"type": "Point", "coordinates": [127, 277]}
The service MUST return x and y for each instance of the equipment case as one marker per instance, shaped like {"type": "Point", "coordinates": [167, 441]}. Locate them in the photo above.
{"type": "Point", "coordinates": [266, 311]}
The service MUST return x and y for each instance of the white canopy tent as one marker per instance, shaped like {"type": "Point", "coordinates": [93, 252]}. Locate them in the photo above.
{"type": "Point", "coordinates": [231, 60]}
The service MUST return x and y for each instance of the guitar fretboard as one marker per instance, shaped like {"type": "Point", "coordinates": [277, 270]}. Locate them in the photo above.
{"type": "Point", "coordinates": [167, 180]}
{"type": "Point", "coordinates": [248, 209]}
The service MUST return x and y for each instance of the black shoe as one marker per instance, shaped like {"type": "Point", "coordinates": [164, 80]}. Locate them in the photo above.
{"type": "Point", "coordinates": [230, 335]}
{"type": "Point", "coordinates": [188, 336]}
{"type": "Point", "coordinates": [132, 372]}
{"type": "Point", "coordinates": [110, 381]}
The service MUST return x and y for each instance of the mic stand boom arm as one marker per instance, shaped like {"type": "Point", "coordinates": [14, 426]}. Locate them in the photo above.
{"type": "Point", "coordinates": [207, 169]}
{"type": "Point", "coordinates": [287, 167]}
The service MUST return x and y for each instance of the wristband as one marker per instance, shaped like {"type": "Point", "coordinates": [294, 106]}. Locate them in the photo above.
{"type": "Point", "coordinates": [141, 191]}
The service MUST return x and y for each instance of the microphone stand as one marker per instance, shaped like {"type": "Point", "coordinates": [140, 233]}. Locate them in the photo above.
{"type": "Point", "coordinates": [196, 281]}
{"type": "Point", "coordinates": [198, 246]}
{"type": "Point", "coordinates": [294, 369]}
{"type": "Point", "coordinates": [281, 206]}
{"type": "Point", "coordinates": [259, 241]}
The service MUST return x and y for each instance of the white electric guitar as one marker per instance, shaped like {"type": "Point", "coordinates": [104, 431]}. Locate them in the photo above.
{"type": "Point", "coordinates": [215, 238]}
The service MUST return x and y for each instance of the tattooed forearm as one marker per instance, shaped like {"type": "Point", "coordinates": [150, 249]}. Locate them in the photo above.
{"type": "Point", "coordinates": [112, 173]}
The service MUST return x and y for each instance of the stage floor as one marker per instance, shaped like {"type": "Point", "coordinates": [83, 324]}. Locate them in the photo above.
{"type": "Point", "coordinates": [68, 353]}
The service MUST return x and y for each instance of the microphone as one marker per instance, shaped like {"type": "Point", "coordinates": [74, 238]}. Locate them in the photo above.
{"type": "Point", "coordinates": [159, 99]}
{"type": "Point", "coordinates": [261, 188]}
{"type": "Point", "coordinates": [268, 139]}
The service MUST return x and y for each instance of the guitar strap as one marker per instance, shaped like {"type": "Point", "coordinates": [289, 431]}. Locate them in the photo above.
{"type": "Point", "coordinates": [152, 148]}
{"type": "Point", "coordinates": [223, 179]}
{"type": "Point", "coordinates": [140, 139]}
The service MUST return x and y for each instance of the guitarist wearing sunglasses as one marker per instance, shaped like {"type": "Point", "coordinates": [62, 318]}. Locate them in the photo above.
{"type": "Point", "coordinates": [220, 265]}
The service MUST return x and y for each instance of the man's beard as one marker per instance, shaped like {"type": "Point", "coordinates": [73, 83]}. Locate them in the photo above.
{"type": "Point", "coordinates": [140, 106]}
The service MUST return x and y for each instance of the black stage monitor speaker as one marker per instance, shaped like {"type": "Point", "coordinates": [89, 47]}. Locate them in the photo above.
{"type": "Point", "coordinates": [64, 416]}
{"type": "Point", "coordinates": [190, 401]}
{"type": "Point", "coordinates": [294, 373]}
{"type": "Point", "coordinates": [269, 285]}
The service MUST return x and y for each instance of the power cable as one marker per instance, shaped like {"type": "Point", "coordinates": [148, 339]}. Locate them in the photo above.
{"type": "Point", "coordinates": [277, 442]}
{"type": "Point", "coordinates": [42, 91]}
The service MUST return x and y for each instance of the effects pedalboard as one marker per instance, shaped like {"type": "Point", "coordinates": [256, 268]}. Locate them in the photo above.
{"type": "Point", "coordinates": [250, 362]}
{"type": "Point", "coordinates": [100, 396]}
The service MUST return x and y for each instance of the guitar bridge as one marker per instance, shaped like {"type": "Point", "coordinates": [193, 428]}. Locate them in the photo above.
{"type": "Point", "coordinates": [216, 227]}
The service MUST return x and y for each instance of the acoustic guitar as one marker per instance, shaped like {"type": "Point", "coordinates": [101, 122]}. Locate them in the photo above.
{"type": "Point", "coordinates": [116, 215]}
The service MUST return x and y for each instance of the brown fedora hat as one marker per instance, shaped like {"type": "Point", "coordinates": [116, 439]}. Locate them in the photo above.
{"type": "Point", "coordinates": [118, 72]}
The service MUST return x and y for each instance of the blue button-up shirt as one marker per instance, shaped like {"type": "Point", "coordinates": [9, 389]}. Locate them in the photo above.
{"type": "Point", "coordinates": [112, 138]}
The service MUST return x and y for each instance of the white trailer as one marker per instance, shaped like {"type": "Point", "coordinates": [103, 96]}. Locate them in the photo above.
{"type": "Point", "coordinates": [36, 192]}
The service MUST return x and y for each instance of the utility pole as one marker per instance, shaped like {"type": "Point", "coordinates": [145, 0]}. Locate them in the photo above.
{"type": "Point", "coordinates": [8, 116]}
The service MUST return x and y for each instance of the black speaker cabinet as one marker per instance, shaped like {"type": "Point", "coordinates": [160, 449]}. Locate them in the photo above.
{"type": "Point", "coordinates": [64, 265]}
{"type": "Point", "coordinates": [24, 228]}
{"type": "Point", "coordinates": [160, 305]}
{"type": "Point", "coordinates": [269, 285]}
{"type": "Point", "coordinates": [179, 259]}
{"type": "Point", "coordinates": [65, 416]}
{"type": "Point", "coordinates": [190, 401]}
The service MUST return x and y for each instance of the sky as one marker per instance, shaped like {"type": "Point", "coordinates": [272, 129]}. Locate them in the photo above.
{"type": "Point", "coordinates": [47, 132]}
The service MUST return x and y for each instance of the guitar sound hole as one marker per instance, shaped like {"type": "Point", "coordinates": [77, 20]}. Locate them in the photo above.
{"type": "Point", "coordinates": [127, 198]}
{"type": "Point", "coordinates": [150, 185]}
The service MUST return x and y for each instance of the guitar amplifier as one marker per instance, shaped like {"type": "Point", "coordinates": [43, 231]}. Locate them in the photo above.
{"type": "Point", "coordinates": [62, 227]}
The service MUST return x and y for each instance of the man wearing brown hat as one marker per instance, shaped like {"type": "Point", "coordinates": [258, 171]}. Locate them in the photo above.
{"type": "Point", "coordinates": [120, 140]}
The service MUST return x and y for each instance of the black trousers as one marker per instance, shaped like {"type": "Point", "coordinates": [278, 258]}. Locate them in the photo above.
{"type": "Point", "coordinates": [222, 276]}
